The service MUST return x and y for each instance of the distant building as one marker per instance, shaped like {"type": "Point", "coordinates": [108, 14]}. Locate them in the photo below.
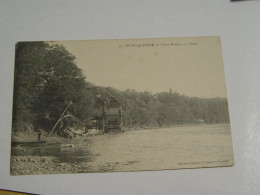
{"type": "Point", "coordinates": [199, 121]}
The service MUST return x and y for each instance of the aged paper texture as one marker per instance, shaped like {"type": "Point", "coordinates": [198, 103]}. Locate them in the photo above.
{"type": "Point", "coordinates": [119, 105]}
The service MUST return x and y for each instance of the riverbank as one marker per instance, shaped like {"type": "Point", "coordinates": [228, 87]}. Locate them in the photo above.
{"type": "Point", "coordinates": [33, 137]}
{"type": "Point", "coordinates": [41, 165]}
{"type": "Point", "coordinates": [36, 165]}
{"type": "Point", "coordinates": [170, 126]}
{"type": "Point", "coordinates": [131, 151]}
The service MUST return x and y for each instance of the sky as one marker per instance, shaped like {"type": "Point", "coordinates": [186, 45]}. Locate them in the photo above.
{"type": "Point", "coordinates": [189, 66]}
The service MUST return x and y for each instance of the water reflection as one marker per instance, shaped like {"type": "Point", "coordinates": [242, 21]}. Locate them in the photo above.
{"type": "Point", "coordinates": [151, 149]}
{"type": "Point", "coordinates": [65, 153]}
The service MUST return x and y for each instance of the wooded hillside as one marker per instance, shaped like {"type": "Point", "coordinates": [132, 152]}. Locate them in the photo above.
{"type": "Point", "coordinates": [47, 79]}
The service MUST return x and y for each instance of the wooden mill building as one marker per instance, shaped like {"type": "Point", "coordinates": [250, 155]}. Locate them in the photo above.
{"type": "Point", "coordinates": [111, 116]}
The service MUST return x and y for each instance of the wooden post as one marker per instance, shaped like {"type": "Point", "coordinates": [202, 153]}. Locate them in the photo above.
{"type": "Point", "coordinates": [121, 116]}
{"type": "Point", "coordinates": [39, 136]}
{"type": "Point", "coordinates": [103, 117]}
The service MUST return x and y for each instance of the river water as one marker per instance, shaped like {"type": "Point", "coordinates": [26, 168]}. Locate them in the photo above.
{"type": "Point", "coordinates": [150, 149]}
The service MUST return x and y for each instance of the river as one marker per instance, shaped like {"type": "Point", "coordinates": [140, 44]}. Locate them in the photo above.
{"type": "Point", "coordinates": [150, 149]}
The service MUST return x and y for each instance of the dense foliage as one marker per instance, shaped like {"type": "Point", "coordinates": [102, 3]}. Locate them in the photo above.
{"type": "Point", "coordinates": [167, 108]}
{"type": "Point", "coordinates": [47, 79]}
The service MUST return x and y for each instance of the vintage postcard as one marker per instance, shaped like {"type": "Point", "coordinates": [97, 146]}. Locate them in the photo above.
{"type": "Point", "coordinates": [119, 105]}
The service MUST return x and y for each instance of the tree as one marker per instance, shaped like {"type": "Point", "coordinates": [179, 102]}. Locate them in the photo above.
{"type": "Point", "coordinates": [28, 82]}
{"type": "Point", "coordinates": [46, 79]}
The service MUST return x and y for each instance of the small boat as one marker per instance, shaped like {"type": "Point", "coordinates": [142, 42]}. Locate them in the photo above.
{"type": "Point", "coordinates": [37, 143]}
{"type": "Point", "coordinates": [67, 145]}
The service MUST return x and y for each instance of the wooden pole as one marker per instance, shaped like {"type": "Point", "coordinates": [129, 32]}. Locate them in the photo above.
{"type": "Point", "coordinates": [103, 117]}
{"type": "Point", "coordinates": [121, 116]}
{"type": "Point", "coordinates": [60, 118]}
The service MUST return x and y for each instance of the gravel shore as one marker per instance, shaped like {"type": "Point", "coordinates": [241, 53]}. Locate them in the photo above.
{"type": "Point", "coordinates": [35, 165]}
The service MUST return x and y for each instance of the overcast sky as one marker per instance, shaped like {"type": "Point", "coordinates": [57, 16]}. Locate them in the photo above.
{"type": "Point", "coordinates": [190, 66]}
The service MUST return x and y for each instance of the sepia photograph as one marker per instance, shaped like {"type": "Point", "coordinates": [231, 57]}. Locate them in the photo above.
{"type": "Point", "coordinates": [94, 106]}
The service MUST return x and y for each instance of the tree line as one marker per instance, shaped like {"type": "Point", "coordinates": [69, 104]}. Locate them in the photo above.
{"type": "Point", "coordinates": [46, 79]}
